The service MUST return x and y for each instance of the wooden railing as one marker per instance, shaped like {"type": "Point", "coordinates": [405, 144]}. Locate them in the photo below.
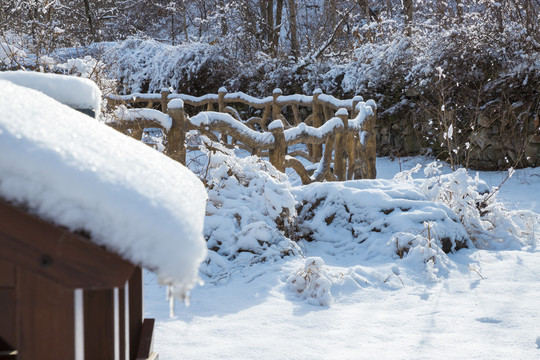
{"type": "Point", "coordinates": [345, 139]}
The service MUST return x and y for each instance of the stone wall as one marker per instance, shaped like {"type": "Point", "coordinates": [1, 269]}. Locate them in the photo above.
{"type": "Point", "coordinates": [493, 145]}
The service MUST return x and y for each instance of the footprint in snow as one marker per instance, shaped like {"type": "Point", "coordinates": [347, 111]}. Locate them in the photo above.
{"type": "Point", "coordinates": [488, 320]}
{"type": "Point", "coordinates": [538, 342]}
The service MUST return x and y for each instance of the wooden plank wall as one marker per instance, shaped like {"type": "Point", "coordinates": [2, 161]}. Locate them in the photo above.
{"type": "Point", "coordinates": [37, 297]}
{"type": "Point", "coordinates": [45, 318]}
{"type": "Point", "coordinates": [37, 318]}
{"type": "Point", "coordinates": [135, 311]}
{"type": "Point", "coordinates": [8, 335]}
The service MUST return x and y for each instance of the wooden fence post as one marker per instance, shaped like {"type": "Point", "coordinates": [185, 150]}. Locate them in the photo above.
{"type": "Point", "coordinates": [317, 122]}
{"type": "Point", "coordinates": [327, 112]}
{"type": "Point", "coordinates": [340, 153]}
{"type": "Point", "coordinates": [265, 116]}
{"type": "Point", "coordinates": [352, 152]}
{"type": "Point", "coordinates": [221, 108]}
{"type": "Point", "coordinates": [177, 135]}
{"type": "Point", "coordinates": [367, 155]}
{"type": "Point", "coordinates": [277, 154]}
{"type": "Point", "coordinates": [221, 99]}
{"type": "Point", "coordinates": [355, 102]}
{"type": "Point", "coordinates": [371, 143]}
{"type": "Point", "coordinates": [325, 173]}
{"type": "Point", "coordinates": [164, 99]}
{"type": "Point", "coordinates": [276, 109]}
{"type": "Point", "coordinates": [354, 148]}
{"type": "Point", "coordinates": [296, 114]}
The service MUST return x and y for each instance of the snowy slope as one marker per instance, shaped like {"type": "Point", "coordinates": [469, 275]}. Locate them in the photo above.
{"type": "Point", "coordinates": [483, 306]}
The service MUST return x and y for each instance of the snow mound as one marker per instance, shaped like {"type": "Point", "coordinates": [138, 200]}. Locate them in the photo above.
{"type": "Point", "coordinates": [250, 211]}
{"type": "Point", "coordinates": [370, 212]}
{"type": "Point", "coordinates": [380, 219]}
{"type": "Point", "coordinates": [311, 282]}
{"type": "Point", "coordinates": [414, 221]}
{"type": "Point", "coordinates": [74, 171]}
{"type": "Point", "coordinates": [75, 92]}
{"type": "Point", "coordinates": [255, 215]}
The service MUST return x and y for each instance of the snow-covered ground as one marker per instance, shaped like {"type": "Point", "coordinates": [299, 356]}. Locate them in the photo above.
{"type": "Point", "coordinates": [485, 305]}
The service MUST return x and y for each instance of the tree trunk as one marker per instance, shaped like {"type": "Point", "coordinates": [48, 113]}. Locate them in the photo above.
{"type": "Point", "coordinates": [173, 38]}
{"type": "Point", "coordinates": [408, 12]}
{"type": "Point", "coordinates": [459, 10]}
{"type": "Point", "coordinates": [91, 24]}
{"type": "Point", "coordinates": [223, 19]}
{"type": "Point", "coordinates": [262, 6]}
{"type": "Point", "coordinates": [330, 9]}
{"type": "Point", "coordinates": [184, 20]}
{"type": "Point", "coordinates": [293, 29]}
{"type": "Point", "coordinates": [277, 28]}
{"type": "Point", "coordinates": [368, 12]}
{"type": "Point", "coordinates": [270, 24]}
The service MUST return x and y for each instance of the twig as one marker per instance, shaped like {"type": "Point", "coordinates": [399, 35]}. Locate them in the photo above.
{"type": "Point", "coordinates": [396, 276]}
{"type": "Point", "coordinates": [327, 43]}
{"type": "Point", "coordinates": [476, 271]}
{"type": "Point", "coordinates": [334, 33]}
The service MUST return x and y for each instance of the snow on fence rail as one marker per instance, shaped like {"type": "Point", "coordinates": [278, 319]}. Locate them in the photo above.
{"type": "Point", "coordinates": [341, 144]}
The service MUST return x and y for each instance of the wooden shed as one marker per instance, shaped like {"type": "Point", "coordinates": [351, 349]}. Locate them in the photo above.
{"type": "Point", "coordinates": [63, 297]}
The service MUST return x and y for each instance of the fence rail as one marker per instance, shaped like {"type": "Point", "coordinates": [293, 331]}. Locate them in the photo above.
{"type": "Point", "coordinates": [342, 144]}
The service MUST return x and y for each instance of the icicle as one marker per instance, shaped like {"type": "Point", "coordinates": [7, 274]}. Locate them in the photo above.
{"type": "Point", "coordinates": [170, 299]}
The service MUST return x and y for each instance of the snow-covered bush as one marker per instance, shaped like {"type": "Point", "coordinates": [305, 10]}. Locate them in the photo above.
{"type": "Point", "coordinates": [148, 66]}
{"type": "Point", "coordinates": [311, 282]}
{"type": "Point", "coordinates": [383, 219]}
{"type": "Point", "coordinates": [84, 67]}
{"type": "Point", "coordinates": [10, 56]}
{"type": "Point", "coordinates": [378, 67]}
{"type": "Point", "coordinates": [487, 222]}
{"type": "Point", "coordinates": [90, 68]}
{"type": "Point", "coordinates": [423, 251]}
{"type": "Point", "coordinates": [419, 220]}
{"type": "Point", "coordinates": [250, 211]}
{"type": "Point", "coordinates": [16, 54]}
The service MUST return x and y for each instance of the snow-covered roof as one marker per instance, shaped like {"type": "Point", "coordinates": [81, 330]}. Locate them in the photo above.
{"type": "Point", "coordinates": [79, 93]}
{"type": "Point", "coordinates": [77, 172]}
